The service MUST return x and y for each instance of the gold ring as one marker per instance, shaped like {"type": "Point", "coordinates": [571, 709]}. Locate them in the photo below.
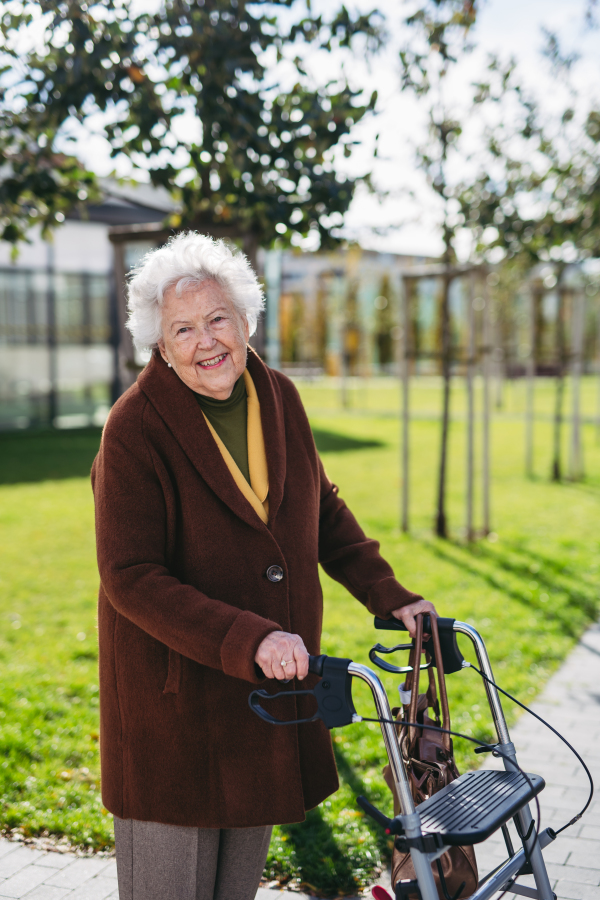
{"type": "Point", "coordinates": [283, 663]}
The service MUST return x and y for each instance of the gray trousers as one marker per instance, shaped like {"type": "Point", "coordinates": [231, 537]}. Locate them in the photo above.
{"type": "Point", "coordinates": [170, 862]}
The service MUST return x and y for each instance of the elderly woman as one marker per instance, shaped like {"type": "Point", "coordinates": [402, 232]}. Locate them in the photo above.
{"type": "Point", "coordinates": [213, 512]}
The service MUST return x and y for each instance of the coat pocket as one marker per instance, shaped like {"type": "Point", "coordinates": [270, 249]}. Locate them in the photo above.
{"type": "Point", "coordinates": [173, 682]}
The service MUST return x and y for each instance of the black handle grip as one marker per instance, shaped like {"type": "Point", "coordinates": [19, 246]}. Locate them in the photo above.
{"type": "Point", "coordinates": [315, 664]}
{"type": "Point", "coordinates": [398, 625]}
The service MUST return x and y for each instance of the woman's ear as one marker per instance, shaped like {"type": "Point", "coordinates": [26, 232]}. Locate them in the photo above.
{"type": "Point", "coordinates": [161, 349]}
{"type": "Point", "coordinates": [246, 328]}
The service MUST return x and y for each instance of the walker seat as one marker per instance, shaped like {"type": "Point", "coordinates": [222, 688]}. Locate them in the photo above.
{"type": "Point", "coordinates": [472, 808]}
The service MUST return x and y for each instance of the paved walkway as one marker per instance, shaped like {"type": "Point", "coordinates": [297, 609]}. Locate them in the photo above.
{"type": "Point", "coordinates": [571, 702]}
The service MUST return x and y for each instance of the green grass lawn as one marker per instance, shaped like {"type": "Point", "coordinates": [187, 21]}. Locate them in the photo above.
{"type": "Point", "coordinates": [530, 591]}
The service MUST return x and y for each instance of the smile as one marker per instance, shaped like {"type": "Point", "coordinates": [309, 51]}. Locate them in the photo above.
{"type": "Point", "coordinates": [211, 363]}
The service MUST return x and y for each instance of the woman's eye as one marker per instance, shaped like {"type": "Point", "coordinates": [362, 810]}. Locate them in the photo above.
{"type": "Point", "coordinates": [218, 318]}
{"type": "Point", "coordinates": [183, 330]}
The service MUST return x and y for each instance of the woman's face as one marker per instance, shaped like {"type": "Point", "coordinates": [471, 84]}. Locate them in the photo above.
{"type": "Point", "coordinates": [204, 338]}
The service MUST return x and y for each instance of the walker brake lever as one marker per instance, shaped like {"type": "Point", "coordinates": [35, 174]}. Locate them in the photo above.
{"type": "Point", "coordinates": [390, 826]}
{"type": "Point", "coordinates": [388, 667]}
{"type": "Point", "coordinates": [452, 658]}
{"type": "Point", "coordinates": [333, 694]}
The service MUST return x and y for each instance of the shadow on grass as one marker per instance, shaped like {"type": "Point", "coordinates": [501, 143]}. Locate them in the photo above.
{"type": "Point", "coordinates": [30, 456]}
{"type": "Point", "coordinates": [539, 562]}
{"type": "Point", "coordinates": [321, 863]}
{"type": "Point", "coordinates": [333, 442]}
{"type": "Point", "coordinates": [324, 866]}
{"type": "Point", "coordinates": [550, 577]}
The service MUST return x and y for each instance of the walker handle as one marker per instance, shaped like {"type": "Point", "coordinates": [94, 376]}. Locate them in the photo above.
{"type": "Point", "coordinates": [333, 694]}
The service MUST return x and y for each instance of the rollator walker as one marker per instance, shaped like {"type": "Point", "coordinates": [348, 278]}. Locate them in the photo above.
{"type": "Point", "coordinates": [465, 812]}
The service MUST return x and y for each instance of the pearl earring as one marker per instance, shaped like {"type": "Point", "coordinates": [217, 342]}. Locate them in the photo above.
{"type": "Point", "coordinates": [169, 364]}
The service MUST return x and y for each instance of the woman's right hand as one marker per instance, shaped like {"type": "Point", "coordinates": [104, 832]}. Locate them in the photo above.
{"type": "Point", "coordinates": [280, 647]}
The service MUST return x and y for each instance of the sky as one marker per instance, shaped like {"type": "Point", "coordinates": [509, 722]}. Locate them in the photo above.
{"type": "Point", "coordinates": [511, 28]}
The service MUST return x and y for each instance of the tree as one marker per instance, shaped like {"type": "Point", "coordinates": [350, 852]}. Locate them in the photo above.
{"type": "Point", "coordinates": [384, 323]}
{"type": "Point", "coordinates": [538, 201]}
{"type": "Point", "coordinates": [262, 159]}
{"type": "Point", "coordinates": [441, 31]}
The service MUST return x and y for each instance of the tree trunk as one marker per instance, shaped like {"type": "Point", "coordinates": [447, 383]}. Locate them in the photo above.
{"type": "Point", "coordinates": [530, 386]}
{"type": "Point", "coordinates": [498, 355]}
{"type": "Point", "coordinates": [273, 275]}
{"type": "Point", "coordinates": [405, 371]}
{"type": "Point", "coordinates": [487, 360]}
{"type": "Point", "coordinates": [560, 388]}
{"type": "Point", "coordinates": [577, 335]}
{"type": "Point", "coordinates": [470, 406]}
{"type": "Point", "coordinates": [598, 373]}
{"type": "Point", "coordinates": [441, 523]}
{"type": "Point", "coordinates": [51, 337]}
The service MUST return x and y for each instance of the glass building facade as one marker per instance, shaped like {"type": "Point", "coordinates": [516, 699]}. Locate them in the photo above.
{"type": "Point", "coordinates": [57, 348]}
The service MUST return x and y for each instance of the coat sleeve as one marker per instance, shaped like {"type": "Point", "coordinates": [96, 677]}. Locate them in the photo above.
{"type": "Point", "coordinates": [348, 556]}
{"type": "Point", "coordinates": [131, 534]}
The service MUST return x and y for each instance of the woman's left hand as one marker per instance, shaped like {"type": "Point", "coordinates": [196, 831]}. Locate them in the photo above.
{"type": "Point", "coordinates": [407, 614]}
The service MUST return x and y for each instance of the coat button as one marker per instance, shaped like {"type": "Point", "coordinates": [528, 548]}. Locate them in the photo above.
{"type": "Point", "coordinates": [274, 573]}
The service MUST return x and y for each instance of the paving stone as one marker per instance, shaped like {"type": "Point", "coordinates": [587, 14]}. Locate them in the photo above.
{"type": "Point", "coordinates": [13, 862]}
{"type": "Point", "coordinates": [574, 844]}
{"type": "Point", "coordinates": [574, 873]}
{"type": "Point", "coordinates": [97, 888]}
{"type": "Point", "coordinates": [110, 870]}
{"type": "Point", "coordinates": [23, 882]}
{"type": "Point", "coordinates": [77, 873]}
{"type": "Point", "coordinates": [54, 860]}
{"type": "Point", "coordinates": [572, 890]}
{"type": "Point", "coordinates": [46, 892]}
{"type": "Point", "coordinates": [585, 860]}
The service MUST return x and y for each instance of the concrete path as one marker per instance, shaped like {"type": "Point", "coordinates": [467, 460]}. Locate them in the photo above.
{"type": "Point", "coordinates": [570, 702]}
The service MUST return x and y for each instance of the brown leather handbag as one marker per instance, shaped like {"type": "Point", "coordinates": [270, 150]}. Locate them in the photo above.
{"type": "Point", "coordinates": [429, 760]}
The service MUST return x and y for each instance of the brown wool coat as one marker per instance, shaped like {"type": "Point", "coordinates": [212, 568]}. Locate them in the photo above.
{"type": "Point", "coordinates": [184, 604]}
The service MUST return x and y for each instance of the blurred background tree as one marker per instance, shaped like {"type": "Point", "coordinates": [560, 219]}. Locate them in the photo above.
{"type": "Point", "coordinates": [438, 38]}
{"type": "Point", "coordinates": [185, 96]}
{"type": "Point", "coordinates": [536, 197]}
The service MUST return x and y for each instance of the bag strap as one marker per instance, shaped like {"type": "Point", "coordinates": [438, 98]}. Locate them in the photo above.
{"type": "Point", "coordinates": [441, 678]}
{"type": "Point", "coordinates": [415, 661]}
{"type": "Point", "coordinates": [432, 700]}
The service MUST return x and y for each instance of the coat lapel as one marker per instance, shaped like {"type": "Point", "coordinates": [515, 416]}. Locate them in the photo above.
{"type": "Point", "coordinates": [176, 405]}
{"type": "Point", "coordinates": [273, 425]}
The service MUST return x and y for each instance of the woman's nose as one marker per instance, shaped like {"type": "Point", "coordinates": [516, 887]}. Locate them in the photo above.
{"type": "Point", "coordinates": [205, 337]}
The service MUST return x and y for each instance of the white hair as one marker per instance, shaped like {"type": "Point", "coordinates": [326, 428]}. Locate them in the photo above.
{"type": "Point", "coordinates": [187, 260]}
